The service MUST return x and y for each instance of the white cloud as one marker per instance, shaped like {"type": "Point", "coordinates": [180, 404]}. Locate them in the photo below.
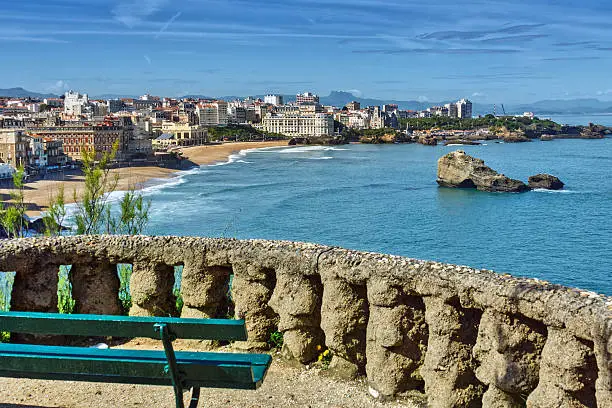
{"type": "Point", "coordinates": [355, 92]}
{"type": "Point", "coordinates": [147, 58]}
{"type": "Point", "coordinates": [133, 12]}
{"type": "Point", "coordinates": [59, 86]}
{"type": "Point", "coordinates": [422, 98]}
{"type": "Point", "coordinates": [478, 94]}
{"type": "Point", "coordinates": [606, 92]}
{"type": "Point", "coordinates": [165, 26]}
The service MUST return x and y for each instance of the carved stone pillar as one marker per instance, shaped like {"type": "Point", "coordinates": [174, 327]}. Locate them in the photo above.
{"type": "Point", "coordinates": [252, 289]}
{"type": "Point", "coordinates": [508, 350]}
{"type": "Point", "coordinates": [568, 371]}
{"type": "Point", "coordinates": [204, 290]}
{"type": "Point", "coordinates": [151, 289]}
{"type": "Point", "coordinates": [344, 319]}
{"type": "Point", "coordinates": [448, 369]}
{"type": "Point", "coordinates": [95, 288]}
{"type": "Point", "coordinates": [35, 290]}
{"type": "Point", "coordinates": [297, 301]}
{"type": "Point", "coordinates": [396, 340]}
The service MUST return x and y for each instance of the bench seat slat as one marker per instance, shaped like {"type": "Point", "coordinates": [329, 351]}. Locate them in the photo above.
{"type": "Point", "coordinates": [203, 369]}
{"type": "Point", "coordinates": [120, 326]}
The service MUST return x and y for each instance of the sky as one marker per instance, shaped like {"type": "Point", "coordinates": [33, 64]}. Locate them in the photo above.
{"type": "Point", "coordinates": [488, 50]}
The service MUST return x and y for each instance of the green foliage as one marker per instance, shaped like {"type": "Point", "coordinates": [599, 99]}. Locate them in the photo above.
{"type": "Point", "coordinates": [133, 217]}
{"type": "Point", "coordinates": [92, 207]}
{"type": "Point", "coordinates": [125, 273]}
{"type": "Point", "coordinates": [65, 302]}
{"type": "Point", "coordinates": [55, 215]}
{"type": "Point", "coordinates": [5, 296]}
{"type": "Point", "coordinates": [179, 300]}
{"type": "Point", "coordinates": [276, 340]}
{"type": "Point", "coordinates": [488, 121]}
{"type": "Point", "coordinates": [241, 133]}
{"type": "Point", "coordinates": [12, 218]}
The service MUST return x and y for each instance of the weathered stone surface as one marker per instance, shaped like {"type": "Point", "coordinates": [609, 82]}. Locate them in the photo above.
{"type": "Point", "coordinates": [545, 181]}
{"type": "Point", "coordinates": [568, 371]}
{"type": "Point", "coordinates": [95, 288]}
{"type": "Point", "coordinates": [449, 330]}
{"type": "Point", "coordinates": [395, 352]}
{"type": "Point", "coordinates": [448, 369]}
{"type": "Point", "coordinates": [457, 169]}
{"type": "Point", "coordinates": [427, 140]}
{"type": "Point", "coordinates": [508, 350]}
{"type": "Point", "coordinates": [151, 289]}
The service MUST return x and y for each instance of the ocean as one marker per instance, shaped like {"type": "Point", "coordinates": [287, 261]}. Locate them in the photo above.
{"type": "Point", "coordinates": [384, 198]}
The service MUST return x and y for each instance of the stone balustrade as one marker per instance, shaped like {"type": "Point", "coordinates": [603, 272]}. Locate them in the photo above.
{"type": "Point", "coordinates": [458, 336]}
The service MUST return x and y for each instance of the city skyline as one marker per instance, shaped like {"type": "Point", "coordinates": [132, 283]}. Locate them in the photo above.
{"type": "Point", "coordinates": [487, 51]}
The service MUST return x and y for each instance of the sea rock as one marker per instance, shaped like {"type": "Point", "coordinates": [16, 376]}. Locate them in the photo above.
{"type": "Point", "coordinates": [545, 181]}
{"type": "Point", "coordinates": [594, 132]}
{"type": "Point", "coordinates": [546, 137]}
{"type": "Point", "coordinates": [428, 140]}
{"type": "Point", "coordinates": [516, 138]}
{"type": "Point", "coordinates": [457, 169]}
{"type": "Point", "coordinates": [462, 142]}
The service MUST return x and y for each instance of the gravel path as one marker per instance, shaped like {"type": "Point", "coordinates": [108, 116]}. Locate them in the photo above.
{"type": "Point", "coordinates": [285, 386]}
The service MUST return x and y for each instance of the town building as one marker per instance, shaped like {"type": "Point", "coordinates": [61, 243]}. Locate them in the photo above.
{"type": "Point", "coordinates": [75, 103]}
{"type": "Point", "coordinates": [77, 136]}
{"type": "Point", "coordinates": [14, 147]}
{"type": "Point", "coordinates": [464, 109]}
{"type": "Point", "coordinates": [185, 134]}
{"type": "Point", "coordinates": [212, 114]}
{"type": "Point", "coordinates": [353, 106]}
{"type": "Point", "coordinates": [275, 100]}
{"type": "Point", "coordinates": [296, 125]}
{"type": "Point", "coordinates": [306, 98]}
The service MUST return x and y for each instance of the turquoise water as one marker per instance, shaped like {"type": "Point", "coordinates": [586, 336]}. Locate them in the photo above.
{"type": "Point", "coordinates": [385, 199]}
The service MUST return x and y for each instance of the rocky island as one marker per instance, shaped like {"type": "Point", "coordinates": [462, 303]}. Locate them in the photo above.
{"type": "Point", "coordinates": [460, 170]}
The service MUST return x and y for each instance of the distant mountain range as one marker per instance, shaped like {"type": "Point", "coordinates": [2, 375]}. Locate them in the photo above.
{"type": "Point", "coordinates": [341, 98]}
{"type": "Point", "coordinates": [23, 93]}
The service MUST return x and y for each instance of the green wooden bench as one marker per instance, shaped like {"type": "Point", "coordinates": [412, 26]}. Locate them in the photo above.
{"type": "Point", "coordinates": [182, 370]}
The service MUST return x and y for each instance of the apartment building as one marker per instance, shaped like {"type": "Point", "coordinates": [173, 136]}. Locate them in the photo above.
{"type": "Point", "coordinates": [275, 100]}
{"type": "Point", "coordinates": [184, 134]}
{"type": "Point", "coordinates": [212, 114]}
{"type": "Point", "coordinates": [14, 147]}
{"type": "Point", "coordinates": [306, 98]}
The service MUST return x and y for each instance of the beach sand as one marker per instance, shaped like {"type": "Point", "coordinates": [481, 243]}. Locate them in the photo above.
{"type": "Point", "coordinates": [38, 193]}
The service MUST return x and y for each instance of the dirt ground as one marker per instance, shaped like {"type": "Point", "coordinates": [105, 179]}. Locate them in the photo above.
{"type": "Point", "coordinates": [285, 386]}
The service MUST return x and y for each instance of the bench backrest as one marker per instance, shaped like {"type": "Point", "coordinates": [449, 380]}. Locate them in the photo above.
{"type": "Point", "coordinates": [121, 326]}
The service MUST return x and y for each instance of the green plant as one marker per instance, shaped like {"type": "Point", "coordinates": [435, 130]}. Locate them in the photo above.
{"type": "Point", "coordinates": [65, 302]}
{"type": "Point", "coordinates": [92, 207]}
{"type": "Point", "coordinates": [325, 357]}
{"type": "Point", "coordinates": [6, 285]}
{"type": "Point", "coordinates": [125, 298]}
{"type": "Point", "coordinates": [12, 218]}
{"type": "Point", "coordinates": [133, 216]}
{"type": "Point", "coordinates": [55, 215]}
{"type": "Point", "coordinates": [179, 300]}
{"type": "Point", "coordinates": [276, 340]}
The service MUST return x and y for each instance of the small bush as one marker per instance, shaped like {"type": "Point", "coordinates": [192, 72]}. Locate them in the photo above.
{"type": "Point", "coordinates": [276, 340]}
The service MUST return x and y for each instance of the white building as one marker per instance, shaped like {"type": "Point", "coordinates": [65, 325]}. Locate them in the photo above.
{"type": "Point", "coordinates": [74, 102]}
{"type": "Point", "coordinates": [464, 109]}
{"type": "Point", "coordinates": [319, 124]}
{"type": "Point", "coordinates": [275, 100]}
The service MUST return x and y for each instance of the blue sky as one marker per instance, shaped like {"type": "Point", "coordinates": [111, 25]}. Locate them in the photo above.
{"type": "Point", "coordinates": [488, 50]}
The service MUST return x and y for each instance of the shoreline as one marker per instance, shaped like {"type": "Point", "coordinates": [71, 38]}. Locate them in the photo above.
{"type": "Point", "coordinates": [38, 193]}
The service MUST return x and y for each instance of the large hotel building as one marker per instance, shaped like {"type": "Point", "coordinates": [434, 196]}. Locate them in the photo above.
{"type": "Point", "coordinates": [318, 124]}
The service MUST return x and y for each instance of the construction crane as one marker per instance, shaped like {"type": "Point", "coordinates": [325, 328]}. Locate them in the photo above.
{"type": "Point", "coordinates": [503, 109]}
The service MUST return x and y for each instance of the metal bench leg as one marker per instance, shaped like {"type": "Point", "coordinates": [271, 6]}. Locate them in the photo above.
{"type": "Point", "coordinates": [172, 367]}
{"type": "Point", "coordinates": [195, 397]}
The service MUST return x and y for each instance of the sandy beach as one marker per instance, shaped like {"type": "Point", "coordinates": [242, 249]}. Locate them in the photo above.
{"type": "Point", "coordinates": [38, 193]}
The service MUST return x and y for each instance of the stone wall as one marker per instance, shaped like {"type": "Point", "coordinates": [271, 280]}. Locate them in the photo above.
{"type": "Point", "coordinates": [460, 336]}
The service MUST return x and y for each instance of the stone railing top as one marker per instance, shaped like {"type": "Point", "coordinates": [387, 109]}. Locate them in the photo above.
{"type": "Point", "coordinates": [554, 305]}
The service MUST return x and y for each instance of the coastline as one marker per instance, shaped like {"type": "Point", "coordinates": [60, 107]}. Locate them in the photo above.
{"type": "Point", "coordinates": [38, 194]}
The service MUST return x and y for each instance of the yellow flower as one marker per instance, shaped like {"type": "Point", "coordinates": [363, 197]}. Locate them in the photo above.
{"type": "Point", "coordinates": [319, 347]}
{"type": "Point", "coordinates": [326, 353]}
{"type": "Point", "coordinates": [320, 357]}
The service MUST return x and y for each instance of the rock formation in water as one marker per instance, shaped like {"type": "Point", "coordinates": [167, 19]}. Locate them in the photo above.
{"type": "Point", "coordinates": [545, 181]}
{"type": "Point", "coordinates": [457, 169]}
{"type": "Point", "coordinates": [427, 140]}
